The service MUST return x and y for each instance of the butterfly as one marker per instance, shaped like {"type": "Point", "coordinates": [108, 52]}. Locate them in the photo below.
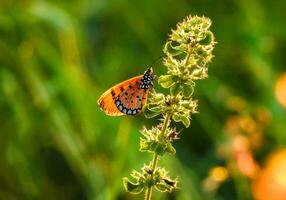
{"type": "Point", "coordinates": [127, 97]}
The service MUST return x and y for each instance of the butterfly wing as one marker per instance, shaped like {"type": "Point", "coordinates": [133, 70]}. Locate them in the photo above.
{"type": "Point", "coordinates": [124, 98]}
{"type": "Point", "coordinates": [132, 99]}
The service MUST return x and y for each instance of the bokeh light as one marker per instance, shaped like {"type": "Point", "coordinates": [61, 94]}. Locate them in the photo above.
{"type": "Point", "coordinates": [280, 90]}
{"type": "Point", "coordinates": [271, 182]}
{"type": "Point", "coordinates": [219, 173]}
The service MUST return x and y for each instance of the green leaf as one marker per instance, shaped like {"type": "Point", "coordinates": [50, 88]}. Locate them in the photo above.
{"type": "Point", "coordinates": [181, 48]}
{"type": "Point", "coordinates": [176, 117]}
{"type": "Point", "coordinates": [176, 89]}
{"type": "Point", "coordinates": [169, 49]}
{"type": "Point", "coordinates": [151, 146]}
{"type": "Point", "coordinates": [149, 113]}
{"type": "Point", "coordinates": [170, 149]}
{"type": "Point", "coordinates": [167, 81]}
{"type": "Point", "coordinates": [163, 187]}
{"type": "Point", "coordinates": [187, 104]}
{"type": "Point", "coordinates": [182, 118]}
{"type": "Point", "coordinates": [144, 146]}
{"type": "Point", "coordinates": [186, 120]}
{"type": "Point", "coordinates": [155, 108]}
{"type": "Point", "coordinates": [157, 97]}
{"type": "Point", "coordinates": [208, 39]}
{"type": "Point", "coordinates": [160, 149]}
{"type": "Point", "coordinates": [133, 188]}
{"type": "Point", "coordinates": [187, 90]}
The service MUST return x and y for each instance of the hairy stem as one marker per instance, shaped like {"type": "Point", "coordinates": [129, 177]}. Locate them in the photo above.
{"type": "Point", "coordinates": [148, 193]}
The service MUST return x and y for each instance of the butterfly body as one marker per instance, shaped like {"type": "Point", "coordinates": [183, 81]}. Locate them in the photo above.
{"type": "Point", "coordinates": [127, 97]}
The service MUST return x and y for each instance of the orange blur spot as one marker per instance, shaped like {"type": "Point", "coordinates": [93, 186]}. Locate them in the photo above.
{"type": "Point", "coordinates": [219, 174]}
{"type": "Point", "coordinates": [246, 164]}
{"type": "Point", "coordinates": [271, 183]}
{"type": "Point", "coordinates": [236, 103]}
{"type": "Point", "coordinates": [248, 124]}
{"type": "Point", "coordinates": [280, 90]}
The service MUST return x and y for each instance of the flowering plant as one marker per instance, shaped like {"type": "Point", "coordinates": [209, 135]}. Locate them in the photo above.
{"type": "Point", "coordinates": [187, 53]}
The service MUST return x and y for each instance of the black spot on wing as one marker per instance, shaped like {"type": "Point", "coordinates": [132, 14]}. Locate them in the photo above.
{"type": "Point", "coordinates": [112, 93]}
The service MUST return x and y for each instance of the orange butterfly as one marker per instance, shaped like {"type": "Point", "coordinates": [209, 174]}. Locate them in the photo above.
{"type": "Point", "coordinates": [127, 97]}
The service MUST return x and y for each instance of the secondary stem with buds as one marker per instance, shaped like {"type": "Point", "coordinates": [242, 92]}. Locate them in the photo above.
{"type": "Point", "coordinates": [156, 156]}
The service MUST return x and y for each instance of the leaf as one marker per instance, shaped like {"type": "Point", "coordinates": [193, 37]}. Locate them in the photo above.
{"type": "Point", "coordinates": [176, 89]}
{"type": "Point", "coordinates": [160, 149]}
{"type": "Point", "coordinates": [186, 120]}
{"type": "Point", "coordinates": [167, 81]}
{"type": "Point", "coordinates": [208, 39]}
{"type": "Point", "coordinates": [133, 188]}
{"type": "Point", "coordinates": [187, 90]}
{"type": "Point", "coordinates": [151, 146]}
{"type": "Point", "coordinates": [170, 182]}
{"type": "Point", "coordinates": [157, 97]}
{"type": "Point", "coordinates": [181, 48]}
{"type": "Point", "coordinates": [144, 146]}
{"type": "Point", "coordinates": [176, 117]}
{"type": "Point", "coordinates": [182, 118]}
{"type": "Point", "coordinates": [169, 49]}
{"type": "Point", "coordinates": [170, 149]}
{"type": "Point", "coordinates": [163, 187]}
{"type": "Point", "coordinates": [149, 113]}
{"type": "Point", "coordinates": [155, 109]}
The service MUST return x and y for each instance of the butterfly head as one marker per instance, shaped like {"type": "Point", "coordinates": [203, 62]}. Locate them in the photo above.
{"type": "Point", "coordinates": [147, 78]}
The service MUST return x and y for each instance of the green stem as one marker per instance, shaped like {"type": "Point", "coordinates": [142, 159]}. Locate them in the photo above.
{"type": "Point", "coordinates": [166, 122]}
{"type": "Point", "coordinates": [148, 193]}
{"type": "Point", "coordinates": [149, 189]}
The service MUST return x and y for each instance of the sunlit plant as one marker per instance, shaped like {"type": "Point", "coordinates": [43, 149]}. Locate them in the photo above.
{"type": "Point", "coordinates": [187, 53]}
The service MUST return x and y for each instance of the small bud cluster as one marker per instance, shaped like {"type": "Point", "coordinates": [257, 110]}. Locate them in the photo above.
{"type": "Point", "coordinates": [177, 106]}
{"type": "Point", "coordinates": [187, 53]}
{"type": "Point", "coordinates": [148, 177]}
{"type": "Point", "coordinates": [153, 141]}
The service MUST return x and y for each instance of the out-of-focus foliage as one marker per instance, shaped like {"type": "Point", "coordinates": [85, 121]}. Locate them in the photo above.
{"type": "Point", "coordinates": [57, 57]}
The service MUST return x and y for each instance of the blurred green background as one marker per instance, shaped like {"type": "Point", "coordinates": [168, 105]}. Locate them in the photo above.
{"type": "Point", "coordinates": [57, 57]}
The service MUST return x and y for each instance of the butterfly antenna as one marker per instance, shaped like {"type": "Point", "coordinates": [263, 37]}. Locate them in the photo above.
{"type": "Point", "coordinates": [155, 61]}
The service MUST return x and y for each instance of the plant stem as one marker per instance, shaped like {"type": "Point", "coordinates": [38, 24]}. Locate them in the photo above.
{"type": "Point", "coordinates": [149, 189]}
{"type": "Point", "coordinates": [166, 122]}
{"type": "Point", "coordinates": [148, 193]}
